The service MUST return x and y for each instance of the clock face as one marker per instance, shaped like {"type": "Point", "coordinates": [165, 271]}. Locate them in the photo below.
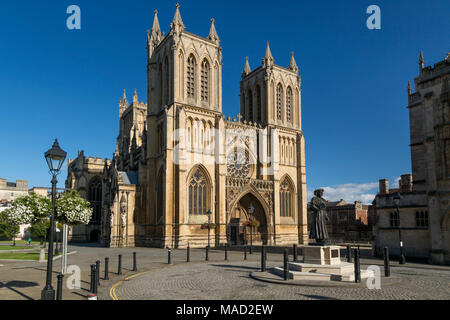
{"type": "Point", "coordinates": [238, 164]}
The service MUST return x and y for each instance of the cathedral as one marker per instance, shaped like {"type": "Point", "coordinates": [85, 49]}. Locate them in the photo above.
{"type": "Point", "coordinates": [184, 174]}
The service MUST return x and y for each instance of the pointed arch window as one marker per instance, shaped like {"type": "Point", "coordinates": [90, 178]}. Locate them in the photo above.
{"type": "Point", "coordinates": [279, 102]}
{"type": "Point", "coordinates": [166, 83]}
{"type": "Point", "coordinates": [289, 105]}
{"type": "Point", "coordinates": [258, 103]}
{"type": "Point", "coordinates": [190, 74]}
{"type": "Point", "coordinates": [95, 198]}
{"type": "Point", "coordinates": [198, 193]}
{"type": "Point", "coordinates": [250, 105]}
{"type": "Point", "coordinates": [160, 197]}
{"type": "Point", "coordinates": [286, 199]}
{"type": "Point", "coordinates": [205, 81]}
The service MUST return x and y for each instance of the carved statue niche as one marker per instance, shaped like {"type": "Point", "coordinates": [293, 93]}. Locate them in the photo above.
{"type": "Point", "coordinates": [123, 212]}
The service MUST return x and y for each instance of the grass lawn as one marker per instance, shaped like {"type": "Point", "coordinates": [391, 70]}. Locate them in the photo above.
{"type": "Point", "coordinates": [14, 248]}
{"type": "Point", "coordinates": [32, 256]}
{"type": "Point", "coordinates": [21, 242]}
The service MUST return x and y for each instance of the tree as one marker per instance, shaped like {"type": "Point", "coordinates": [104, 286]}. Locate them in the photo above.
{"type": "Point", "coordinates": [7, 230]}
{"type": "Point", "coordinates": [38, 229]}
{"type": "Point", "coordinates": [73, 210]}
{"type": "Point", "coordinates": [25, 210]}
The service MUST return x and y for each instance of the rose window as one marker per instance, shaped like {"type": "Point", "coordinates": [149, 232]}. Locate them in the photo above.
{"type": "Point", "coordinates": [238, 164]}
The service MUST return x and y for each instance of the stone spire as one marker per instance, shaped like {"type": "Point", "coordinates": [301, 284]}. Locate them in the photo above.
{"type": "Point", "coordinates": [154, 37]}
{"type": "Point", "coordinates": [292, 64]}
{"type": "Point", "coordinates": [156, 30]}
{"type": "Point", "coordinates": [124, 100]}
{"type": "Point", "coordinates": [268, 59]}
{"type": "Point", "coordinates": [247, 69]}
{"type": "Point", "coordinates": [177, 24]}
{"type": "Point", "coordinates": [447, 58]}
{"type": "Point", "coordinates": [409, 88]}
{"type": "Point", "coordinates": [421, 61]}
{"type": "Point", "coordinates": [135, 97]}
{"type": "Point", "coordinates": [213, 33]}
{"type": "Point", "coordinates": [123, 103]}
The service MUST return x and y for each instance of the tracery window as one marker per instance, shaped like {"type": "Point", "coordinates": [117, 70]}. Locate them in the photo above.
{"type": "Point", "coordinates": [198, 192]}
{"type": "Point", "coordinates": [205, 81]}
{"type": "Point", "coordinates": [289, 105]}
{"type": "Point", "coordinates": [279, 102]}
{"type": "Point", "coordinates": [286, 199]}
{"type": "Point", "coordinates": [190, 73]}
{"type": "Point", "coordinates": [250, 105]}
{"type": "Point", "coordinates": [238, 164]}
{"type": "Point", "coordinates": [95, 198]}
{"type": "Point", "coordinates": [258, 102]}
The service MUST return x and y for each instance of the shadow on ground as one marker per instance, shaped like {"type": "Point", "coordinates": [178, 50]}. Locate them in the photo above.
{"type": "Point", "coordinates": [14, 285]}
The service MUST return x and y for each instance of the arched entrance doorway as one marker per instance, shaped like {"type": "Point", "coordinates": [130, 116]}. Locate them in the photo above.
{"type": "Point", "coordinates": [248, 222]}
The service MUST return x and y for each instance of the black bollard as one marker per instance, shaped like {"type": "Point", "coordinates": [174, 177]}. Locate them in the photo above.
{"type": "Point", "coordinates": [245, 252]}
{"type": "Point", "coordinates": [207, 253]}
{"type": "Point", "coordinates": [359, 252]}
{"type": "Point", "coordinates": [59, 287]}
{"type": "Point", "coordinates": [188, 258]}
{"type": "Point", "coordinates": [134, 262]}
{"type": "Point", "coordinates": [119, 267]}
{"type": "Point", "coordinates": [97, 273]}
{"type": "Point", "coordinates": [387, 267]}
{"type": "Point", "coordinates": [349, 254]}
{"type": "Point", "coordinates": [357, 267]}
{"type": "Point", "coordinates": [295, 252]}
{"type": "Point", "coordinates": [169, 256]}
{"type": "Point", "coordinates": [226, 252]}
{"type": "Point", "coordinates": [95, 280]}
{"type": "Point", "coordinates": [91, 289]}
{"type": "Point", "coordinates": [286, 263]}
{"type": "Point", "coordinates": [263, 258]}
{"type": "Point", "coordinates": [106, 269]}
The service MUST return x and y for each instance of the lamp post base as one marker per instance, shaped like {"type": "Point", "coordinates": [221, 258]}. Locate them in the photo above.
{"type": "Point", "coordinates": [401, 259]}
{"type": "Point", "coordinates": [48, 293]}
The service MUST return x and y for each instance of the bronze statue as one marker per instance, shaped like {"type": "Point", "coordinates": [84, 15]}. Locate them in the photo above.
{"type": "Point", "coordinates": [319, 217]}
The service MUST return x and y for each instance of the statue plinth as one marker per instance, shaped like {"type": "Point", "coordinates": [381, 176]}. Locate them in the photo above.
{"type": "Point", "coordinates": [322, 255]}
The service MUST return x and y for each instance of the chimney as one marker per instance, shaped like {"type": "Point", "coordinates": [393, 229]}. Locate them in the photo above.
{"type": "Point", "coordinates": [406, 183]}
{"type": "Point", "coordinates": [384, 186]}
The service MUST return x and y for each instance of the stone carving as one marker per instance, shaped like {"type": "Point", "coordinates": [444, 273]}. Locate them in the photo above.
{"type": "Point", "coordinates": [319, 217]}
{"type": "Point", "coordinates": [123, 213]}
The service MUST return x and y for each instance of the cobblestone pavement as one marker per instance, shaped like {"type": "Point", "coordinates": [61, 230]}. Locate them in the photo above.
{"type": "Point", "coordinates": [230, 280]}
{"type": "Point", "coordinates": [215, 279]}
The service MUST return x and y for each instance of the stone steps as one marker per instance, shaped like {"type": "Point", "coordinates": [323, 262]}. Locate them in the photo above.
{"type": "Point", "coordinates": [317, 276]}
{"type": "Point", "coordinates": [341, 268]}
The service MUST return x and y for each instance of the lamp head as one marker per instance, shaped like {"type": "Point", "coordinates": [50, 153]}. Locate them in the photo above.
{"type": "Point", "coordinates": [55, 158]}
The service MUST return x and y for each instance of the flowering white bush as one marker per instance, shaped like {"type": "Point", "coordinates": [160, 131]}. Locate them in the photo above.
{"type": "Point", "coordinates": [72, 209]}
{"type": "Point", "coordinates": [19, 214]}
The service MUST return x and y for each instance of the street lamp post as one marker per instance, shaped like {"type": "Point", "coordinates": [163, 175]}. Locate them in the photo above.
{"type": "Point", "coordinates": [209, 225]}
{"type": "Point", "coordinates": [401, 257]}
{"type": "Point", "coordinates": [55, 158]}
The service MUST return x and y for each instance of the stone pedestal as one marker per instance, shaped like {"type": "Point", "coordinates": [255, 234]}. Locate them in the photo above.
{"type": "Point", "coordinates": [322, 255]}
{"type": "Point", "coordinates": [322, 263]}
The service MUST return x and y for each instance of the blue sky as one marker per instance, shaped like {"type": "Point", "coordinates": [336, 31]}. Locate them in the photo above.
{"type": "Point", "coordinates": [55, 82]}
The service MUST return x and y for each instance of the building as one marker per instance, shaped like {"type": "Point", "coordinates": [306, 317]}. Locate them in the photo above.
{"type": "Point", "coordinates": [425, 205]}
{"type": "Point", "coordinates": [85, 175]}
{"type": "Point", "coordinates": [347, 221]}
{"type": "Point", "coordinates": [179, 158]}
{"type": "Point", "coordinates": [10, 191]}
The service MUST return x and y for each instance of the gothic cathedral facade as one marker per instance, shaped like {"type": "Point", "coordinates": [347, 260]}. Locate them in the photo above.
{"type": "Point", "coordinates": [182, 172]}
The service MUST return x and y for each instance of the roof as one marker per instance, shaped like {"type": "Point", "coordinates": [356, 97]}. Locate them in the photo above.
{"type": "Point", "coordinates": [129, 177]}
